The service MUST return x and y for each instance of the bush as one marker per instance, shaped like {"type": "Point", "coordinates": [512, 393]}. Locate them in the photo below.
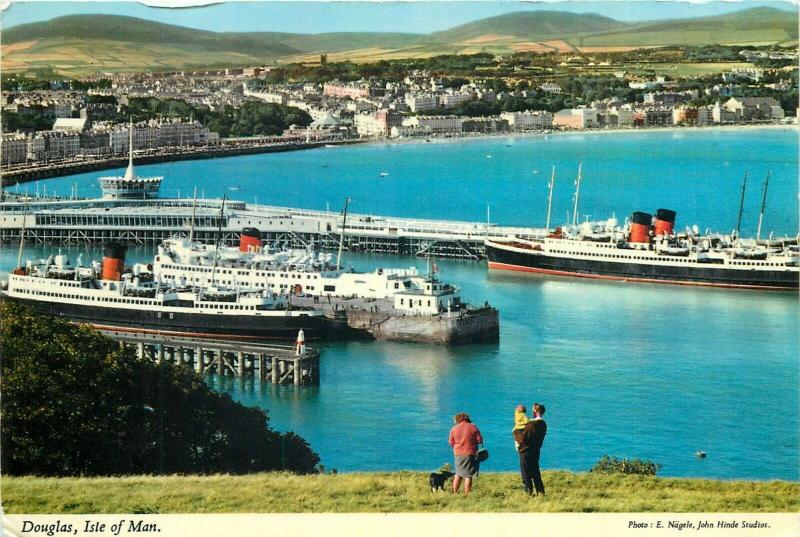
{"type": "Point", "coordinates": [75, 403]}
{"type": "Point", "coordinates": [613, 465]}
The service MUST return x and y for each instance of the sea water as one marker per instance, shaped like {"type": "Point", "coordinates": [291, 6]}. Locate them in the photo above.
{"type": "Point", "coordinates": [630, 370]}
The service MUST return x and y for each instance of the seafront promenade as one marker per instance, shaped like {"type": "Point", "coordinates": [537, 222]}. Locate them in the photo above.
{"type": "Point", "coordinates": [25, 173]}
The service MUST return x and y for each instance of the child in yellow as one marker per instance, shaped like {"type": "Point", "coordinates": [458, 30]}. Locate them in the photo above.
{"type": "Point", "coordinates": [520, 420]}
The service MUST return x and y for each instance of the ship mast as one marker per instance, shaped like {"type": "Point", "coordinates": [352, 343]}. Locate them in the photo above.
{"type": "Point", "coordinates": [763, 206]}
{"type": "Point", "coordinates": [577, 195]}
{"type": "Point", "coordinates": [550, 198]}
{"type": "Point", "coordinates": [741, 204]}
{"type": "Point", "coordinates": [22, 235]}
{"type": "Point", "coordinates": [341, 235]}
{"type": "Point", "coordinates": [191, 225]}
{"type": "Point", "coordinates": [219, 234]}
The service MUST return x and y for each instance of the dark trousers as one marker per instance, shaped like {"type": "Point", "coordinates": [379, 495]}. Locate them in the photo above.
{"type": "Point", "coordinates": [530, 472]}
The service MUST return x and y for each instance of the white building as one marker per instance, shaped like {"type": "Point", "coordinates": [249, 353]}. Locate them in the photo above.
{"type": "Point", "coordinates": [550, 87]}
{"type": "Point", "coordinates": [528, 120]}
{"type": "Point", "coordinates": [372, 124]}
{"type": "Point", "coordinates": [68, 124]}
{"type": "Point", "coordinates": [450, 100]}
{"type": "Point", "coordinates": [576, 118]}
{"type": "Point", "coordinates": [422, 102]}
{"type": "Point", "coordinates": [436, 124]}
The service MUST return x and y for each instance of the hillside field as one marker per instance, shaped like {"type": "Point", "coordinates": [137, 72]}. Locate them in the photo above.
{"type": "Point", "coordinates": [389, 493]}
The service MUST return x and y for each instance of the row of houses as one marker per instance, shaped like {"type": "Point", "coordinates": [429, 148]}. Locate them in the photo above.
{"type": "Point", "coordinates": [72, 136]}
{"type": "Point", "coordinates": [735, 110]}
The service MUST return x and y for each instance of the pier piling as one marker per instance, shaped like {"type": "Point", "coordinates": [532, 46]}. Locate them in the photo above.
{"type": "Point", "coordinates": [277, 364]}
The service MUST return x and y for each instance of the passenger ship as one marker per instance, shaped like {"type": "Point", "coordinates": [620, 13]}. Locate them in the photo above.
{"type": "Point", "coordinates": [108, 296]}
{"type": "Point", "coordinates": [298, 273]}
{"type": "Point", "coordinates": [646, 249]}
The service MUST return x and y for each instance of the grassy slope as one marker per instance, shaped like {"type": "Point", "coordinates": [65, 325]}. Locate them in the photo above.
{"type": "Point", "coordinates": [83, 44]}
{"type": "Point", "coordinates": [530, 26]}
{"type": "Point", "coordinates": [390, 492]}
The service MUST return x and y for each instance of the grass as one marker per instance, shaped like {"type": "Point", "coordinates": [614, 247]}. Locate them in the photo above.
{"type": "Point", "coordinates": [389, 492]}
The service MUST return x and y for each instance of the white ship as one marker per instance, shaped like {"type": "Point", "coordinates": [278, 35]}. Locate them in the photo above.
{"type": "Point", "coordinates": [109, 296]}
{"type": "Point", "coordinates": [392, 304]}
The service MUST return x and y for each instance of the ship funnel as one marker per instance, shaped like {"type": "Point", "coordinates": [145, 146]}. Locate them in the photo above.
{"type": "Point", "coordinates": [665, 221]}
{"type": "Point", "coordinates": [250, 240]}
{"type": "Point", "coordinates": [640, 227]}
{"type": "Point", "coordinates": [113, 261]}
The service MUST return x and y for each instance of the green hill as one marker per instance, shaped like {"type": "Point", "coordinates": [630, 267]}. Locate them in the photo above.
{"type": "Point", "coordinates": [531, 26]}
{"type": "Point", "coordinates": [135, 30]}
{"type": "Point", "coordinates": [79, 44]}
{"type": "Point", "coordinates": [759, 25]}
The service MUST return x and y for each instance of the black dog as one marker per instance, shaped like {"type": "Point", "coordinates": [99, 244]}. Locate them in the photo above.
{"type": "Point", "coordinates": [437, 480]}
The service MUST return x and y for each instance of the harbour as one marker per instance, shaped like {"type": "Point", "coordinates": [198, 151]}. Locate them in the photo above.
{"type": "Point", "coordinates": [664, 371]}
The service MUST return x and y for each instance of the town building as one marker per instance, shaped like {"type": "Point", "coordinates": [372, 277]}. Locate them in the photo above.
{"type": "Point", "coordinates": [340, 89]}
{"type": "Point", "coordinates": [50, 145]}
{"type": "Point", "coordinates": [550, 87]}
{"type": "Point", "coordinates": [435, 124]}
{"type": "Point", "coordinates": [528, 120]}
{"type": "Point", "coordinates": [64, 124]}
{"type": "Point", "coordinates": [484, 125]}
{"type": "Point", "coordinates": [375, 124]}
{"type": "Point", "coordinates": [575, 118]}
{"type": "Point", "coordinates": [684, 115]}
{"type": "Point", "coordinates": [754, 108]}
{"type": "Point", "coordinates": [450, 100]}
{"type": "Point", "coordinates": [13, 148]}
{"type": "Point", "coordinates": [422, 102]}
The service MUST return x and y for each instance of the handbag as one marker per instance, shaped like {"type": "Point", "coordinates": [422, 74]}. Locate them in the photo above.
{"type": "Point", "coordinates": [482, 454]}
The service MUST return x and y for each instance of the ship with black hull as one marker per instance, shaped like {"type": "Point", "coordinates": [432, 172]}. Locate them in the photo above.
{"type": "Point", "coordinates": [110, 296]}
{"type": "Point", "coordinates": [647, 249]}
{"type": "Point", "coordinates": [394, 304]}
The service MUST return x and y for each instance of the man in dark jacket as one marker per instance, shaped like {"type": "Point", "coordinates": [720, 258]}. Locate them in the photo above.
{"type": "Point", "coordinates": [530, 440]}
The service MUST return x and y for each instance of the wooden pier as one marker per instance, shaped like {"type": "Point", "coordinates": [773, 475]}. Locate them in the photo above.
{"type": "Point", "coordinates": [278, 364]}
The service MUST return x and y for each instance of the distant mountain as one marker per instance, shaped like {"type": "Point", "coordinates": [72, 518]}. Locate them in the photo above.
{"type": "Point", "coordinates": [135, 30]}
{"type": "Point", "coordinates": [762, 25]}
{"type": "Point", "coordinates": [90, 43]}
{"type": "Point", "coordinates": [530, 26]}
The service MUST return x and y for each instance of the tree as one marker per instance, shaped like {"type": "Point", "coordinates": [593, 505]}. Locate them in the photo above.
{"type": "Point", "coordinates": [75, 403]}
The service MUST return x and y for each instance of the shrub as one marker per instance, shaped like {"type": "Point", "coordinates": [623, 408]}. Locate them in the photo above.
{"type": "Point", "coordinates": [613, 465]}
{"type": "Point", "coordinates": [75, 403]}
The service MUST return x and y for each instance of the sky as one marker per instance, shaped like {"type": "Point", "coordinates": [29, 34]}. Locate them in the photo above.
{"type": "Point", "coordinates": [349, 16]}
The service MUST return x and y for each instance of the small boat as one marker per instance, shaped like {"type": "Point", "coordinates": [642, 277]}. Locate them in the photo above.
{"type": "Point", "coordinates": [700, 454]}
{"type": "Point", "coordinates": [749, 253]}
{"type": "Point", "coordinates": [674, 250]}
{"type": "Point", "coordinates": [384, 174]}
{"type": "Point", "coordinates": [325, 165]}
{"type": "Point", "coordinates": [488, 156]}
{"type": "Point", "coordinates": [329, 145]}
{"type": "Point", "coordinates": [234, 188]}
{"type": "Point", "coordinates": [535, 172]}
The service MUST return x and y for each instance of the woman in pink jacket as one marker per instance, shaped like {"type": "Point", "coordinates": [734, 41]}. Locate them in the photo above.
{"type": "Point", "coordinates": [464, 438]}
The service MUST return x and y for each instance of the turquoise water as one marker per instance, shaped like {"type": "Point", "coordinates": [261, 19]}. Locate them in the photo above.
{"type": "Point", "coordinates": [697, 173]}
{"type": "Point", "coordinates": [630, 370]}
